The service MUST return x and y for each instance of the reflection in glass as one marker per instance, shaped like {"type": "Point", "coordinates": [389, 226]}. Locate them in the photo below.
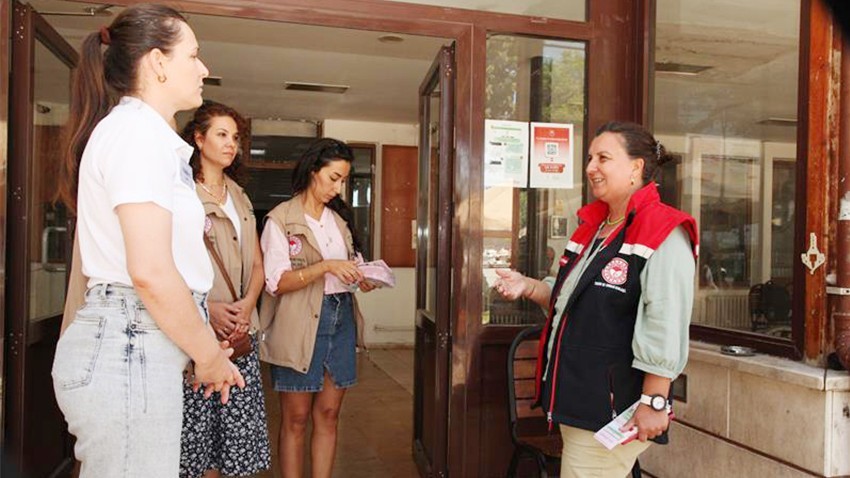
{"type": "Point", "coordinates": [726, 102]}
{"type": "Point", "coordinates": [360, 196]}
{"type": "Point", "coordinates": [527, 229]}
{"type": "Point", "coordinates": [428, 184]}
{"type": "Point", "coordinates": [48, 243]}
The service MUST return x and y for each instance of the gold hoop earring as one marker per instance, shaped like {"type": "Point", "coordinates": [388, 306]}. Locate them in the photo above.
{"type": "Point", "coordinates": [161, 78]}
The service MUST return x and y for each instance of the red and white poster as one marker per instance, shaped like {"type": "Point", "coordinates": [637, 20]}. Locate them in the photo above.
{"type": "Point", "coordinates": [551, 156]}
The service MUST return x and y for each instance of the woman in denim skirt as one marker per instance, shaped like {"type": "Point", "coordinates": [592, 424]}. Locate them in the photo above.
{"type": "Point", "coordinates": [307, 320]}
{"type": "Point", "coordinates": [231, 439]}
{"type": "Point", "coordinates": [117, 371]}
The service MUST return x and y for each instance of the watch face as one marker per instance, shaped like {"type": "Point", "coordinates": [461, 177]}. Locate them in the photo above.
{"type": "Point", "coordinates": [658, 402]}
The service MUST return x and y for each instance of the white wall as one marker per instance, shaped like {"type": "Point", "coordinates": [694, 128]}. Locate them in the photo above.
{"type": "Point", "coordinates": [389, 313]}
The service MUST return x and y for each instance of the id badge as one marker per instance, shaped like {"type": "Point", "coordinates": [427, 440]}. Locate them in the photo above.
{"type": "Point", "coordinates": [186, 175]}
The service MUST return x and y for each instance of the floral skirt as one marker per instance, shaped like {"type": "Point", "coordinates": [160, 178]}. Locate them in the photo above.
{"type": "Point", "coordinates": [232, 438]}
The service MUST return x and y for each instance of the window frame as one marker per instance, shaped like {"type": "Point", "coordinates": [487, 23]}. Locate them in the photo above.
{"type": "Point", "coordinates": [817, 137]}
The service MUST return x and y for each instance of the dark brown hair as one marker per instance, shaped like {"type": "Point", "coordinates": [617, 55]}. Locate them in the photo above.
{"type": "Point", "coordinates": [200, 124]}
{"type": "Point", "coordinates": [639, 143]}
{"type": "Point", "coordinates": [104, 76]}
{"type": "Point", "coordinates": [321, 153]}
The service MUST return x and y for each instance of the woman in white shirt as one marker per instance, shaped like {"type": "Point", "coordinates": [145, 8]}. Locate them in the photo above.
{"type": "Point", "coordinates": [118, 367]}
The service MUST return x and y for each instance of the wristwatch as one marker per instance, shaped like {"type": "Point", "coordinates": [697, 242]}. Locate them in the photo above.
{"type": "Point", "coordinates": [656, 402]}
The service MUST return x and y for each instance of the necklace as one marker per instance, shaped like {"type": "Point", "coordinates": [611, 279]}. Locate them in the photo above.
{"type": "Point", "coordinates": [609, 222]}
{"type": "Point", "coordinates": [220, 199]}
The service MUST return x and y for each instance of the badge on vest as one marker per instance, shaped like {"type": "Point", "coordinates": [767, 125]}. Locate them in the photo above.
{"type": "Point", "coordinates": [616, 272]}
{"type": "Point", "coordinates": [186, 175]}
{"type": "Point", "coordinates": [295, 245]}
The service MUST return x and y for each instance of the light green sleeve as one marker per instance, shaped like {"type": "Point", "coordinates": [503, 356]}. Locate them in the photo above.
{"type": "Point", "coordinates": [661, 339]}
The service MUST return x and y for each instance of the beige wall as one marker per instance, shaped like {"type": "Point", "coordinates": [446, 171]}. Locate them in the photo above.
{"type": "Point", "coordinates": [756, 416]}
{"type": "Point", "coordinates": [389, 313]}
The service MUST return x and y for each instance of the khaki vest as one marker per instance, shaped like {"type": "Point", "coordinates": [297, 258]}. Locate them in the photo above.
{"type": "Point", "coordinates": [238, 260]}
{"type": "Point", "coordinates": [289, 322]}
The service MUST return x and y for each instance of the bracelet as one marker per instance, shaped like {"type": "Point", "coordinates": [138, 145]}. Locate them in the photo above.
{"type": "Point", "coordinates": [301, 276]}
{"type": "Point", "coordinates": [533, 288]}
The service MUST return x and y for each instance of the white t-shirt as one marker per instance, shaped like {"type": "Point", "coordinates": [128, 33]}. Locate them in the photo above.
{"type": "Point", "coordinates": [133, 156]}
{"type": "Point", "coordinates": [229, 209]}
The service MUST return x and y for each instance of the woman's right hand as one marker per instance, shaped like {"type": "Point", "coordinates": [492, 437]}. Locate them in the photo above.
{"type": "Point", "coordinates": [224, 318]}
{"type": "Point", "coordinates": [511, 284]}
{"type": "Point", "coordinates": [346, 271]}
{"type": "Point", "coordinates": [218, 374]}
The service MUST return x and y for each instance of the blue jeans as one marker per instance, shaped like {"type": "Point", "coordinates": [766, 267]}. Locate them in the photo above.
{"type": "Point", "coordinates": [118, 381]}
{"type": "Point", "coordinates": [334, 351]}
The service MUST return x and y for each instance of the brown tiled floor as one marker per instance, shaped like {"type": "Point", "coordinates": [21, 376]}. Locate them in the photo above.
{"type": "Point", "coordinates": [376, 423]}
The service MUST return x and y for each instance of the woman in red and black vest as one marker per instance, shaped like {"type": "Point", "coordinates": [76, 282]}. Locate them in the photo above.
{"type": "Point", "coordinates": [619, 309]}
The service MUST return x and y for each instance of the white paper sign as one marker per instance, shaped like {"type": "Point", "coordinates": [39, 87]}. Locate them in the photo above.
{"type": "Point", "coordinates": [551, 156]}
{"type": "Point", "coordinates": [505, 153]}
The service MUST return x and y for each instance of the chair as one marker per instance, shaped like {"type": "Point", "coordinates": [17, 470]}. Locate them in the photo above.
{"type": "Point", "coordinates": [529, 428]}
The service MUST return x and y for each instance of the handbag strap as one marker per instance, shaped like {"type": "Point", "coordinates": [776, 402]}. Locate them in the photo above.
{"type": "Point", "coordinates": [220, 264]}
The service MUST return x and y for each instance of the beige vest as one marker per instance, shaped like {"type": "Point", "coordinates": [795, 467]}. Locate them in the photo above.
{"type": "Point", "coordinates": [289, 322]}
{"type": "Point", "coordinates": [238, 260]}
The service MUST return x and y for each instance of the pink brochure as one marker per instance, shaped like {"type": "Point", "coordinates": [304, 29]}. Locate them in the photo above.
{"type": "Point", "coordinates": [378, 272]}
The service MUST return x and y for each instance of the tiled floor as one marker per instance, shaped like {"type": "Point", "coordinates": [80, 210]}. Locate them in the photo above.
{"type": "Point", "coordinates": [376, 423]}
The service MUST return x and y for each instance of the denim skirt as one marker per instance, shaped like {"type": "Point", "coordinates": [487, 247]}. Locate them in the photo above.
{"type": "Point", "coordinates": [118, 380]}
{"type": "Point", "coordinates": [334, 351]}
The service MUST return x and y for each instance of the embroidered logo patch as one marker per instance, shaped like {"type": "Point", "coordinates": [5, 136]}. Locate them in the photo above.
{"type": "Point", "coordinates": [294, 245]}
{"type": "Point", "coordinates": [616, 272]}
{"type": "Point", "coordinates": [207, 225]}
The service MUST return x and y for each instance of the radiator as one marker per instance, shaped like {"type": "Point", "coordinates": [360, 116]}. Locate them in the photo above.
{"type": "Point", "coordinates": [727, 310]}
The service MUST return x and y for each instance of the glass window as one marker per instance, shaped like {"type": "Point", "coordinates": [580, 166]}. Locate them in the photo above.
{"type": "Point", "coordinates": [360, 193]}
{"type": "Point", "coordinates": [726, 104]}
{"type": "Point", "coordinates": [526, 225]}
{"type": "Point", "coordinates": [560, 9]}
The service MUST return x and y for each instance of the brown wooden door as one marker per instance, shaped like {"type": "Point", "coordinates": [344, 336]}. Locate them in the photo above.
{"type": "Point", "coordinates": [433, 266]}
{"type": "Point", "coordinates": [398, 200]}
{"type": "Point", "coordinates": [36, 440]}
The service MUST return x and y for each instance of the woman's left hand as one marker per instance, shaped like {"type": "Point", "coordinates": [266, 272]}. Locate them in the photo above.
{"type": "Point", "coordinates": [366, 285]}
{"type": "Point", "coordinates": [649, 422]}
{"type": "Point", "coordinates": [243, 316]}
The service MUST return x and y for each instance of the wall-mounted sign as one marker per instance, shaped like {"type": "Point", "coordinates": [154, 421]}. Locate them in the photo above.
{"type": "Point", "coordinates": [551, 156]}
{"type": "Point", "coordinates": [505, 153]}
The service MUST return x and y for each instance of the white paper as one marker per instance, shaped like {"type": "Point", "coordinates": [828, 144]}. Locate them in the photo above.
{"type": "Point", "coordinates": [505, 153]}
{"type": "Point", "coordinates": [611, 436]}
{"type": "Point", "coordinates": [551, 158]}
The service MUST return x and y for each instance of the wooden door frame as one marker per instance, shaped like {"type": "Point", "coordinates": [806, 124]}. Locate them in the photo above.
{"type": "Point", "coordinates": [610, 31]}
{"type": "Point", "coordinates": [20, 332]}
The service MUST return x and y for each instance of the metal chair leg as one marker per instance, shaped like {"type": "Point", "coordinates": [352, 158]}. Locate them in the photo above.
{"type": "Point", "coordinates": [514, 463]}
{"type": "Point", "coordinates": [541, 464]}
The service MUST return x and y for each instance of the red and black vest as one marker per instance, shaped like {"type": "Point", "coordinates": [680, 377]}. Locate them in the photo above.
{"type": "Point", "coordinates": [590, 377]}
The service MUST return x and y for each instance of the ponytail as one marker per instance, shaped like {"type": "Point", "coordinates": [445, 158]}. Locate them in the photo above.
{"type": "Point", "coordinates": [104, 76]}
{"type": "Point", "coordinates": [90, 103]}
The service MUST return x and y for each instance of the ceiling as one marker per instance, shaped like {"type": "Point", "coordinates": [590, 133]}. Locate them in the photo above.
{"type": "Point", "coordinates": [752, 74]}
{"type": "Point", "coordinates": [255, 58]}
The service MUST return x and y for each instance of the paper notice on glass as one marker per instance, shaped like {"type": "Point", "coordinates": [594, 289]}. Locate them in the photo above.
{"type": "Point", "coordinates": [611, 436]}
{"type": "Point", "coordinates": [551, 156]}
{"type": "Point", "coordinates": [505, 153]}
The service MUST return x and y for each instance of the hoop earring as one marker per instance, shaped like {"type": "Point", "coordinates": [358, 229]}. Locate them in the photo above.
{"type": "Point", "coordinates": [161, 78]}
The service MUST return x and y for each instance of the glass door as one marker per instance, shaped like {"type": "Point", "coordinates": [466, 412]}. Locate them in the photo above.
{"type": "Point", "coordinates": [433, 266]}
{"type": "Point", "coordinates": [38, 251]}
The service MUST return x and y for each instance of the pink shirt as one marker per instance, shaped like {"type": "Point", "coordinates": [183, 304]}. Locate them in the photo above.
{"type": "Point", "coordinates": [275, 247]}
